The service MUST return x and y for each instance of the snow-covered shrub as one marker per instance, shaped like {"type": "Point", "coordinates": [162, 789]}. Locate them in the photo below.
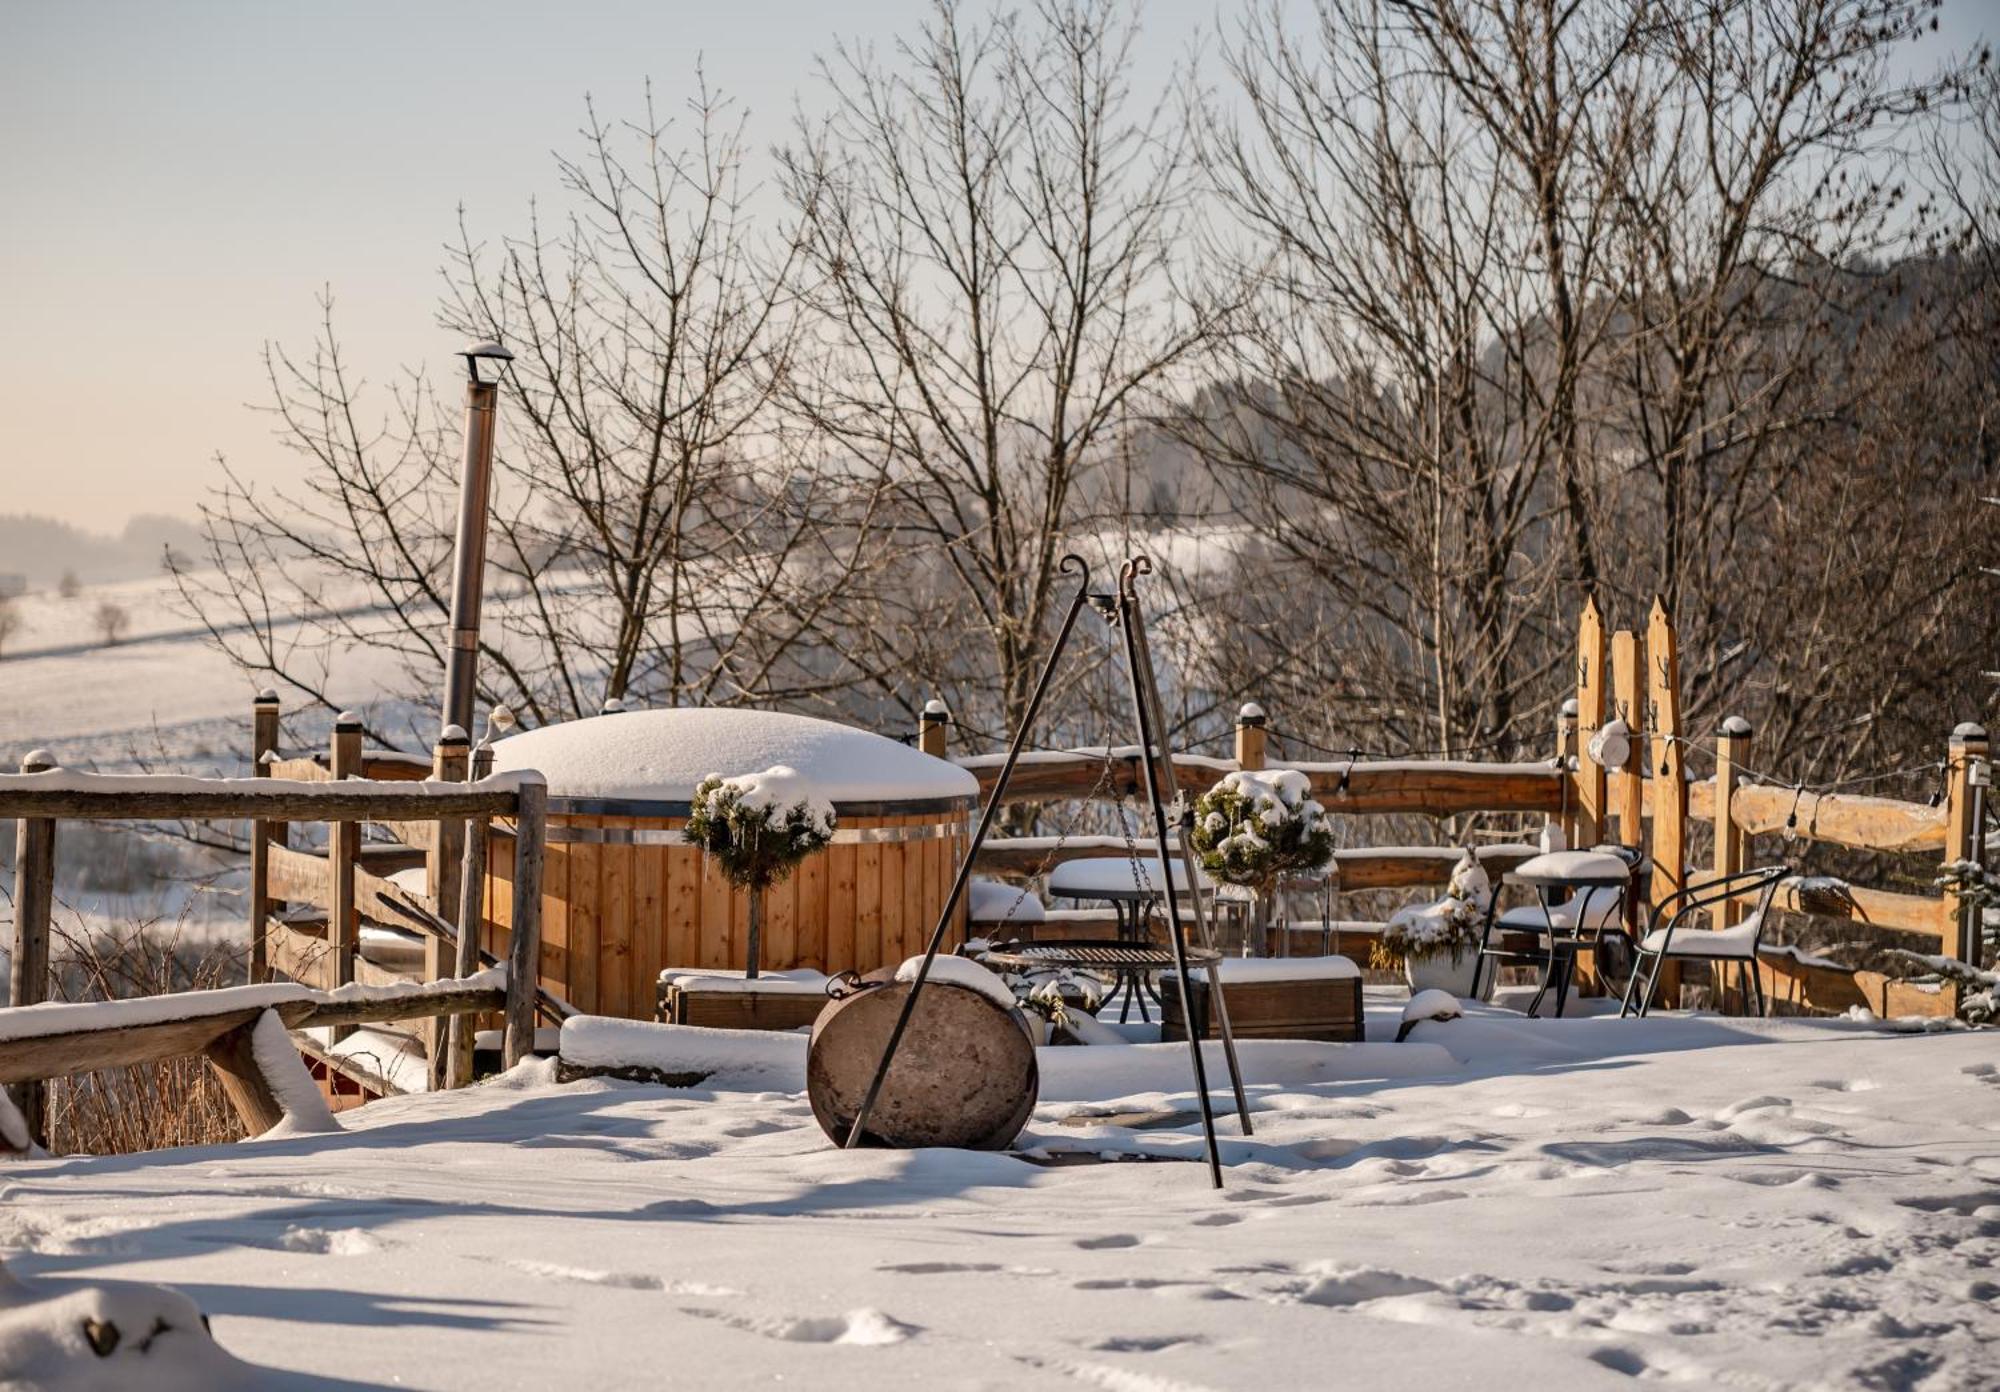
{"type": "Point", "coordinates": [758, 827]}
{"type": "Point", "coordinates": [1250, 828]}
{"type": "Point", "coordinates": [1450, 926]}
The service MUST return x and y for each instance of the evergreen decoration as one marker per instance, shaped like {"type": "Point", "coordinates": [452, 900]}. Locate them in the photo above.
{"type": "Point", "coordinates": [757, 827]}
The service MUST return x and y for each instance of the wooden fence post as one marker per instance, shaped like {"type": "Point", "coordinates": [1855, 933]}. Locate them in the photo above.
{"type": "Point", "coordinates": [471, 926]}
{"type": "Point", "coordinates": [1566, 747]}
{"type": "Point", "coordinates": [525, 950]}
{"type": "Point", "coordinates": [1628, 793]}
{"type": "Point", "coordinates": [263, 742]}
{"type": "Point", "coordinates": [1591, 691]}
{"type": "Point", "coordinates": [1968, 748]}
{"type": "Point", "coordinates": [1666, 764]}
{"type": "Point", "coordinates": [1732, 748]}
{"type": "Point", "coordinates": [450, 762]}
{"type": "Point", "coordinates": [1250, 734]}
{"type": "Point", "coordinates": [343, 920]}
{"type": "Point", "coordinates": [34, 897]}
{"type": "Point", "coordinates": [934, 728]}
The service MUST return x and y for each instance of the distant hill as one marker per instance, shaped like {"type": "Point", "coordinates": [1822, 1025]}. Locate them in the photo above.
{"type": "Point", "coordinates": [41, 548]}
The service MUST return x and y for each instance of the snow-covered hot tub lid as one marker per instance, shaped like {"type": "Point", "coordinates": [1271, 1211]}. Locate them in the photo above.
{"type": "Point", "coordinates": [647, 763]}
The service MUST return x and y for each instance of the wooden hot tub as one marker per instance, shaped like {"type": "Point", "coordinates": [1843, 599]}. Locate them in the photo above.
{"type": "Point", "coordinates": [624, 896]}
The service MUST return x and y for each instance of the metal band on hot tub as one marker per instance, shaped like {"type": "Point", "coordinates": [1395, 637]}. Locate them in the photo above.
{"type": "Point", "coordinates": [665, 836]}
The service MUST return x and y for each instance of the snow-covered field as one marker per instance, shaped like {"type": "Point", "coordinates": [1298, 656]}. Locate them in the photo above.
{"type": "Point", "coordinates": [1495, 1203]}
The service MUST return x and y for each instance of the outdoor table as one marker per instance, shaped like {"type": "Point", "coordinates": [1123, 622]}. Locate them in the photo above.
{"type": "Point", "coordinates": [1129, 884]}
{"type": "Point", "coordinates": [1572, 877]}
{"type": "Point", "coordinates": [1120, 957]}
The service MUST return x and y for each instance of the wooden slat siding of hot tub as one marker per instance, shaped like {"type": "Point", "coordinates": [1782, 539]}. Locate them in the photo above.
{"type": "Point", "coordinates": [586, 914]}
{"type": "Point", "coordinates": [712, 931]}
{"type": "Point", "coordinates": [868, 904]}
{"type": "Point", "coordinates": [810, 946]}
{"type": "Point", "coordinates": [842, 871]}
{"type": "Point", "coordinates": [896, 876]}
{"type": "Point", "coordinates": [919, 898]}
{"type": "Point", "coordinates": [934, 892]}
{"type": "Point", "coordinates": [649, 926]}
{"type": "Point", "coordinates": [616, 869]}
{"type": "Point", "coordinates": [683, 947]}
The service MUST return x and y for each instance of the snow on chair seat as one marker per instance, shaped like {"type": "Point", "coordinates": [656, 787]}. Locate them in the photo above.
{"type": "Point", "coordinates": [1573, 867]}
{"type": "Point", "coordinates": [1601, 910]}
{"type": "Point", "coordinates": [1739, 941]}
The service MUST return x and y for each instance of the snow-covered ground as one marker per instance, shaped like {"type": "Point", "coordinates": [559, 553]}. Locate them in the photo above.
{"type": "Point", "coordinates": [1495, 1203]}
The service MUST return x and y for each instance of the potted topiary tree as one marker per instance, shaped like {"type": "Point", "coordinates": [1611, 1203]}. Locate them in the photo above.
{"type": "Point", "coordinates": [1252, 828]}
{"type": "Point", "coordinates": [758, 827]}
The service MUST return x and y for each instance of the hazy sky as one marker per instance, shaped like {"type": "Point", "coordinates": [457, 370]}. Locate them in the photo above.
{"type": "Point", "coordinates": [177, 181]}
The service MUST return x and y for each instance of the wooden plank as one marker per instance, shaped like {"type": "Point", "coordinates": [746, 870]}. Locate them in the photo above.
{"type": "Point", "coordinates": [451, 762]}
{"type": "Point", "coordinates": [809, 927]}
{"type": "Point", "coordinates": [471, 926]}
{"type": "Point", "coordinates": [842, 880]}
{"type": "Point", "coordinates": [524, 947]}
{"type": "Point", "coordinates": [684, 885]}
{"type": "Point", "coordinates": [233, 1058]}
{"type": "Point", "coordinates": [307, 770]}
{"type": "Point", "coordinates": [725, 1009]}
{"type": "Point", "coordinates": [585, 899]}
{"type": "Point", "coordinates": [343, 922]}
{"type": "Point", "coordinates": [1665, 760]}
{"type": "Point", "coordinates": [916, 925]}
{"type": "Point", "coordinates": [445, 997]}
{"type": "Point", "coordinates": [1627, 791]}
{"type": "Point", "coordinates": [1865, 823]}
{"type": "Point", "coordinates": [34, 902]}
{"type": "Point", "coordinates": [1732, 748]}
{"type": "Point", "coordinates": [1664, 786]}
{"type": "Point", "coordinates": [1433, 788]}
{"type": "Point", "coordinates": [869, 946]}
{"type": "Point", "coordinates": [781, 933]}
{"type": "Point", "coordinates": [649, 925]}
{"type": "Point", "coordinates": [614, 942]}
{"type": "Point", "coordinates": [263, 745]}
{"type": "Point", "coordinates": [380, 766]}
{"type": "Point", "coordinates": [141, 797]}
{"type": "Point", "coordinates": [1592, 690]}
{"type": "Point", "coordinates": [417, 836]}
{"type": "Point", "coordinates": [712, 937]}
{"type": "Point", "coordinates": [1811, 989]}
{"type": "Point", "coordinates": [86, 1051]}
{"type": "Point", "coordinates": [1965, 754]}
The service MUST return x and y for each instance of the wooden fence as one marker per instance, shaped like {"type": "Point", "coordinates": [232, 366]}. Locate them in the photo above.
{"type": "Point", "coordinates": [1649, 801]}
{"type": "Point", "coordinates": [451, 812]}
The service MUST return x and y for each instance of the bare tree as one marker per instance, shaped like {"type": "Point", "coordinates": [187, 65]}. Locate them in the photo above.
{"type": "Point", "coordinates": [69, 587]}
{"type": "Point", "coordinates": [991, 226]}
{"type": "Point", "coordinates": [658, 533]}
{"type": "Point", "coordinates": [110, 620]}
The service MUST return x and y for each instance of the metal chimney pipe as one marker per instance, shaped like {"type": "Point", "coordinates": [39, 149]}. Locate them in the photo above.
{"type": "Point", "coordinates": [475, 488]}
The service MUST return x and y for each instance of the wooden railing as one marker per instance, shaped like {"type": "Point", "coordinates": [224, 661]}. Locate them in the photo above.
{"type": "Point", "coordinates": [42, 797]}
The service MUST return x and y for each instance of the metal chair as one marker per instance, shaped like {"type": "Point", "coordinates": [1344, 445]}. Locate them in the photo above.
{"type": "Point", "coordinates": [1738, 944]}
{"type": "Point", "coordinates": [1580, 894]}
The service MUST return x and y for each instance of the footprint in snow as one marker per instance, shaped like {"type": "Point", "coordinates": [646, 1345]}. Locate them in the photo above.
{"type": "Point", "coordinates": [866, 1328]}
{"type": "Point", "coordinates": [336, 1242]}
{"type": "Point", "coordinates": [1111, 1240]}
{"type": "Point", "coordinates": [1357, 1285]}
{"type": "Point", "coordinates": [618, 1280]}
{"type": "Point", "coordinates": [1761, 1102]}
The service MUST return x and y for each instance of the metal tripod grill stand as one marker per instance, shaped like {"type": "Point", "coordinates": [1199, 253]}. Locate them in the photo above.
{"type": "Point", "coordinates": [1124, 609]}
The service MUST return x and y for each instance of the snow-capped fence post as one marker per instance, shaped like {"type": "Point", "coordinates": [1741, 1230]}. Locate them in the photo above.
{"type": "Point", "coordinates": [1667, 766]}
{"type": "Point", "coordinates": [343, 919]}
{"type": "Point", "coordinates": [34, 896]}
{"type": "Point", "coordinates": [525, 949]}
{"type": "Point", "coordinates": [1250, 734]}
{"type": "Point", "coordinates": [471, 920]}
{"type": "Point", "coordinates": [1628, 790]}
{"type": "Point", "coordinates": [1591, 690]}
{"type": "Point", "coordinates": [934, 728]}
{"type": "Point", "coordinates": [450, 761]}
{"type": "Point", "coordinates": [1732, 750]}
{"type": "Point", "coordinates": [263, 746]}
{"type": "Point", "coordinates": [1967, 750]}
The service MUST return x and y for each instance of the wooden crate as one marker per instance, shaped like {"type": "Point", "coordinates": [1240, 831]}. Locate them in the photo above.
{"type": "Point", "coordinates": [1327, 1009]}
{"type": "Point", "coordinates": [717, 1007]}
